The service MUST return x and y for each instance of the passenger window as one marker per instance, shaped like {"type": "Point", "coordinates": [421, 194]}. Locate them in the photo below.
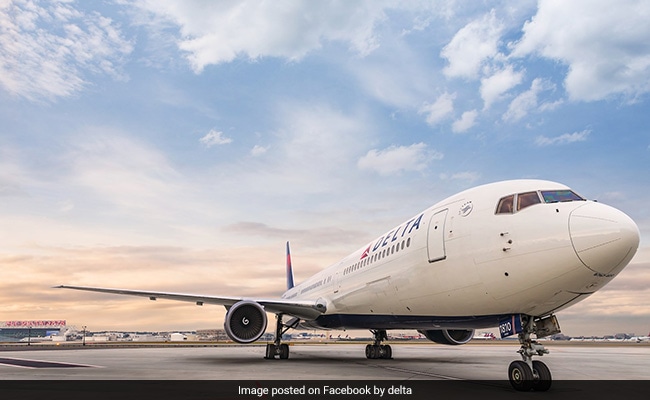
{"type": "Point", "coordinates": [505, 205]}
{"type": "Point", "coordinates": [527, 199]}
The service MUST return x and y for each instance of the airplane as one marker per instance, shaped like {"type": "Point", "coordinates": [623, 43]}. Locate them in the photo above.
{"type": "Point", "coordinates": [640, 339]}
{"type": "Point", "coordinates": [484, 336]}
{"type": "Point", "coordinates": [509, 254]}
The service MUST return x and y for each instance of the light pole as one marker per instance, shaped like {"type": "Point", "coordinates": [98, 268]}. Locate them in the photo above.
{"type": "Point", "coordinates": [84, 337]}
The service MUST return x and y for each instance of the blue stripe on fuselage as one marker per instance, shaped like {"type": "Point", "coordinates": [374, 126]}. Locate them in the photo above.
{"type": "Point", "coordinates": [365, 321]}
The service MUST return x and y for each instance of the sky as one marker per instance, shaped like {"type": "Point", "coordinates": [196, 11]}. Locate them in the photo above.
{"type": "Point", "coordinates": [177, 145]}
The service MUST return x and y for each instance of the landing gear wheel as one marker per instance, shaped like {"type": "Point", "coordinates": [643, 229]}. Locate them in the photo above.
{"type": "Point", "coordinates": [377, 351]}
{"type": "Point", "coordinates": [520, 376]}
{"type": "Point", "coordinates": [542, 377]}
{"type": "Point", "coordinates": [270, 352]}
{"type": "Point", "coordinates": [387, 352]}
{"type": "Point", "coordinates": [369, 351]}
{"type": "Point", "coordinates": [284, 351]}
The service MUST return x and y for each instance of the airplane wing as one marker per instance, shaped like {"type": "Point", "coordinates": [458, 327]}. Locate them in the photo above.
{"type": "Point", "coordinates": [303, 309]}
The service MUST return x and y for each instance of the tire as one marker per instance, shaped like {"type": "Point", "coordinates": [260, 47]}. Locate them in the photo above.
{"type": "Point", "coordinates": [387, 352]}
{"type": "Point", "coordinates": [368, 351]}
{"type": "Point", "coordinates": [270, 352]}
{"type": "Point", "coordinates": [520, 376]}
{"type": "Point", "coordinates": [284, 351]}
{"type": "Point", "coordinates": [544, 380]}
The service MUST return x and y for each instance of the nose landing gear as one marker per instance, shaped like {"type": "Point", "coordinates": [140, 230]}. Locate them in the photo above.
{"type": "Point", "coordinates": [528, 374]}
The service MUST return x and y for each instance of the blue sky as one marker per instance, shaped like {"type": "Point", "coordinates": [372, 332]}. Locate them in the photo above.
{"type": "Point", "coordinates": [177, 145]}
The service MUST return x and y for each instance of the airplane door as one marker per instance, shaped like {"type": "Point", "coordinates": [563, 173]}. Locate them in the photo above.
{"type": "Point", "coordinates": [436, 237]}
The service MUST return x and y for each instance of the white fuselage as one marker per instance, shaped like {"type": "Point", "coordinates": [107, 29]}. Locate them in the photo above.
{"type": "Point", "coordinates": [468, 260]}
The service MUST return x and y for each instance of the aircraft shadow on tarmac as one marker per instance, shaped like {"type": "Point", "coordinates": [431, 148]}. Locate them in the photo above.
{"type": "Point", "coordinates": [303, 358]}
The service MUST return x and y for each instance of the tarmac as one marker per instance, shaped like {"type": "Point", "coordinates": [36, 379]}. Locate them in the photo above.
{"type": "Point", "coordinates": [340, 371]}
{"type": "Point", "coordinates": [417, 361]}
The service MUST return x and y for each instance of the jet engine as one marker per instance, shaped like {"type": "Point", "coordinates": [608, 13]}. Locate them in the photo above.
{"type": "Point", "coordinates": [245, 321]}
{"type": "Point", "coordinates": [449, 336]}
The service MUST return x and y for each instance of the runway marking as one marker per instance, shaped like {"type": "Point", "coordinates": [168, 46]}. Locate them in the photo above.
{"type": "Point", "coordinates": [32, 364]}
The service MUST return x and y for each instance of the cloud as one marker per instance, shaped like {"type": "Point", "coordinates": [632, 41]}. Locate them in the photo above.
{"type": "Point", "coordinates": [396, 159]}
{"type": "Point", "coordinates": [47, 49]}
{"type": "Point", "coordinates": [494, 86]}
{"type": "Point", "coordinates": [472, 45]}
{"type": "Point", "coordinates": [310, 161]}
{"type": "Point", "coordinates": [440, 109]}
{"type": "Point", "coordinates": [31, 274]}
{"type": "Point", "coordinates": [13, 175]}
{"type": "Point", "coordinates": [395, 75]}
{"type": "Point", "coordinates": [567, 138]}
{"type": "Point", "coordinates": [527, 101]}
{"type": "Point", "coordinates": [605, 47]}
{"type": "Point", "coordinates": [467, 176]}
{"type": "Point", "coordinates": [258, 150]}
{"type": "Point", "coordinates": [214, 33]}
{"type": "Point", "coordinates": [124, 174]}
{"type": "Point", "coordinates": [319, 140]}
{"type": "Point", "coordinates": [214, 138]}
{"type": "Point", "coordinates": [97, 182]}
{"type": "Point", "coordinates": [466, 121]}
{"type": "Point", "coordinates": [312, 237]}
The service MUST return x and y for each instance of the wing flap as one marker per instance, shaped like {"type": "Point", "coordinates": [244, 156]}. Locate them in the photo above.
{"type": "Point", "coordinates": [303, 309]}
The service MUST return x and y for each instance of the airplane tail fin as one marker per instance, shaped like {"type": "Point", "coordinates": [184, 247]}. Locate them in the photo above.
{"type": "Point", "coordinates": [289, 269]}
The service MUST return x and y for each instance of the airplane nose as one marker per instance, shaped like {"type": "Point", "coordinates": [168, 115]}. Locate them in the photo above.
{"type": "Point", "coordinates": [604, 238]}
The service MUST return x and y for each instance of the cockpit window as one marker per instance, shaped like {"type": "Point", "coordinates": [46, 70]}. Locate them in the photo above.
{"type": "Point", "coordinates": [558, 196]}
{"type": "Point", "coordinates": [527, 199]}
{"type": "Point", "coordinates": [505, 205]}
{"type": "Point", "coordinates": [517, 202]}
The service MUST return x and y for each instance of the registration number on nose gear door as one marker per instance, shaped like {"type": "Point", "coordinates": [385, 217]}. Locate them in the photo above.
{"type": "Point", "coordinates": [510, 326]}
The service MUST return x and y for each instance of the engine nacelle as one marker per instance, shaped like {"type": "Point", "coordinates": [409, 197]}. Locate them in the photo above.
{"type": "Point", "coordinates": [449, 336]}
{"type": "Point", "coordinates": [245, 321]}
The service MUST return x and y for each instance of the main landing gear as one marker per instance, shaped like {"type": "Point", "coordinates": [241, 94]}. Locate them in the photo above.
{"type": "Point", "coordinates": [277, 348]}
{"type": "Point", "coordinates": [378, 350]}
{"type": "Point", "coordinates": [528, 374]}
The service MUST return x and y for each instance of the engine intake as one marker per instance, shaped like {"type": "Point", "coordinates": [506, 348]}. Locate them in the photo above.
{"type": "Point", "coordinates": [449, 336]}
{"type": "Point", "coordinates": [245, 321]}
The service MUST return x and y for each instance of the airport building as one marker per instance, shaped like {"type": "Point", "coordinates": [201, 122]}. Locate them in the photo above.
{"type": "Point", "coordinates": [17, 330]}
{"type": "Point", "coordinates": [212, 334]}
